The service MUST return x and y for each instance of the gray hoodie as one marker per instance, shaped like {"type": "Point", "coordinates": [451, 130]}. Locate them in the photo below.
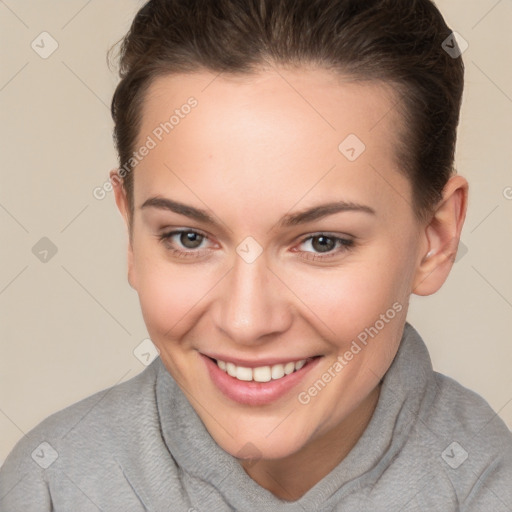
{"type": "Point", "coordinates": [431, 445]}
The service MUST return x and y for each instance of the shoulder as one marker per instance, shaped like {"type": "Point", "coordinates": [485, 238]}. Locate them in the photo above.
{"type": "Point", "coordinates": [473, 444]}
{"type": "Point", "coordinates": [95, 427]}
{"type": "Point", "coordinates": [112, 407]}
{"type": "Point", "coordinates": [459, 410]}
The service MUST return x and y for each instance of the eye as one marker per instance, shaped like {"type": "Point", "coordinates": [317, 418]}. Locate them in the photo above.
{"type": "Point", "coordinates": [189, 243]}
{"type": "Point", "coordinates": [324, 246]}
{"type": "Point", "coordinates": [184, 243]}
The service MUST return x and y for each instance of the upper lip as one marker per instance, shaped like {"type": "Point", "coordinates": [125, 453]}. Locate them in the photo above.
{"type": "Point", "coordinates": [256, 363]}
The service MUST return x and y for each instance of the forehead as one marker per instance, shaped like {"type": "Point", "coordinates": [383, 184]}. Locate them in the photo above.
{"type": "Point", "coordinates": [313, 98]}
{"type": "Point", "coordinates": [260, 131]}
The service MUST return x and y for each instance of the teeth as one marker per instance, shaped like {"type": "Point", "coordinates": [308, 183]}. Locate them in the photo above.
{"type": "Point", "coordinates": [289, 368]}
{"type": "Point", "coordinates": [300, 364]}
{"type": "Point", "coordinates": [243, 373]}
{"type": "Point", "coordinates": [231, 369]}
{"type": "Point", "coordinates": [277, 371]}
{"type": "Point", "coordinates": [261, 373]}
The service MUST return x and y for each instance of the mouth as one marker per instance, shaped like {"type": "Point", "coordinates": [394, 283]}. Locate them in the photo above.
{"type": "Point", "coordinates": [258, 385]}
{"type": "Point", "coordinates": [264, 373]}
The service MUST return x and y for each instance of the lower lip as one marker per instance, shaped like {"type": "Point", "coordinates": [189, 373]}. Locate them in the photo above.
{"type": "Point", "coordinates": [256, 393]}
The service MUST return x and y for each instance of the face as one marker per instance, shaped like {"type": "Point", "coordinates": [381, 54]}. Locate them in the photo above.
{"type": "Point", "coordinates": [260, 242]}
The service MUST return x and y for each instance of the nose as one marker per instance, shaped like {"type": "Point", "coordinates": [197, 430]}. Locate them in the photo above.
{"type": "Point", "coordinates": [253, 304]}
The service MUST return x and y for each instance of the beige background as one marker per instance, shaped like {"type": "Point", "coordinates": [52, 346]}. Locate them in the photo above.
{"type": "Point", "coordinates": [69, 326]}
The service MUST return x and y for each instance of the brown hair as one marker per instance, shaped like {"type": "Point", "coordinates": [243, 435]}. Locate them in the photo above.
{"type": "Point", "coordinates": [396, 41]}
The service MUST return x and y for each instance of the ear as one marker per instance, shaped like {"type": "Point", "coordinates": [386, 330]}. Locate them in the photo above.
{"type": "Point", "coordinates": [123, 206]}
{"type": "Point", "coordinates": [441, 237]}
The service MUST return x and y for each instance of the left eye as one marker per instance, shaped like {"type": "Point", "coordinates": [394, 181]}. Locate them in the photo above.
{"type": "Point", "coordinates": [323, 243]}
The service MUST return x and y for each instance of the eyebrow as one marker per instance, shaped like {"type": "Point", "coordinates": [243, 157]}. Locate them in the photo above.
{"type": "Point", "coordinates": [302, 217]}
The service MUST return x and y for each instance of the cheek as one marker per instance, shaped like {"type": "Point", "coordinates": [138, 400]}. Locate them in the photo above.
{"type": "Point", "coordinates": [348, 297]}
{"type": "Point", "coordinates": [343, 302]}
{"type": "Point", "coordinates": [170, 295]}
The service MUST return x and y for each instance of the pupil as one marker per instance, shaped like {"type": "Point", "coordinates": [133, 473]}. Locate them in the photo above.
{"type": "Point", "coordinates": [325, 243]}
{"type": "Point", "coordinates": [191, 240]}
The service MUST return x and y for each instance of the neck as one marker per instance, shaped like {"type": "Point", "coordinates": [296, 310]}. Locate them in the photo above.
{"type": "Point", "coordinates": [291, 477]}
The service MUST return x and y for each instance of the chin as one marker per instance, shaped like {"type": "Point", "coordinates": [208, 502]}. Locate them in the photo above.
{"type": "Point", "coordinates": [255, 450]}
{"type": "Point", "coordinates": [257, 441]}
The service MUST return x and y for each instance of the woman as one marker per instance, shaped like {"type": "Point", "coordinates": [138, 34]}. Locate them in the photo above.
{"type": "Point", "coordinates": [286, 177]}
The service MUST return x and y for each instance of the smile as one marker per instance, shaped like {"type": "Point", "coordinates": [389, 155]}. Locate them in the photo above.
{"type": "Point", "coordinates": [260, 373]}
{"type": "Point", "coordinates": [249, 384]}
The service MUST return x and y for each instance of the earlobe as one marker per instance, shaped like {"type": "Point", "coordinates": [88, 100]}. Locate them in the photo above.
{"type": "Point", "coordinates": [441, 237]}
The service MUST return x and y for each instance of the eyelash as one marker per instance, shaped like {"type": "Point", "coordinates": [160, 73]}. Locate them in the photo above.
{"type": "Point", "coordinates": [346, 245]}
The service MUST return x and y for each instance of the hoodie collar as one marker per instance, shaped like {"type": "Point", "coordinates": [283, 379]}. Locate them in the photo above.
{"type": "Point", "coordinates": [197, 454]}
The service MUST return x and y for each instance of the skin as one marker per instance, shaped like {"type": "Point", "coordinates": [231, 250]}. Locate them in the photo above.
{"type": "Point", "coordinates": [257, 148]}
